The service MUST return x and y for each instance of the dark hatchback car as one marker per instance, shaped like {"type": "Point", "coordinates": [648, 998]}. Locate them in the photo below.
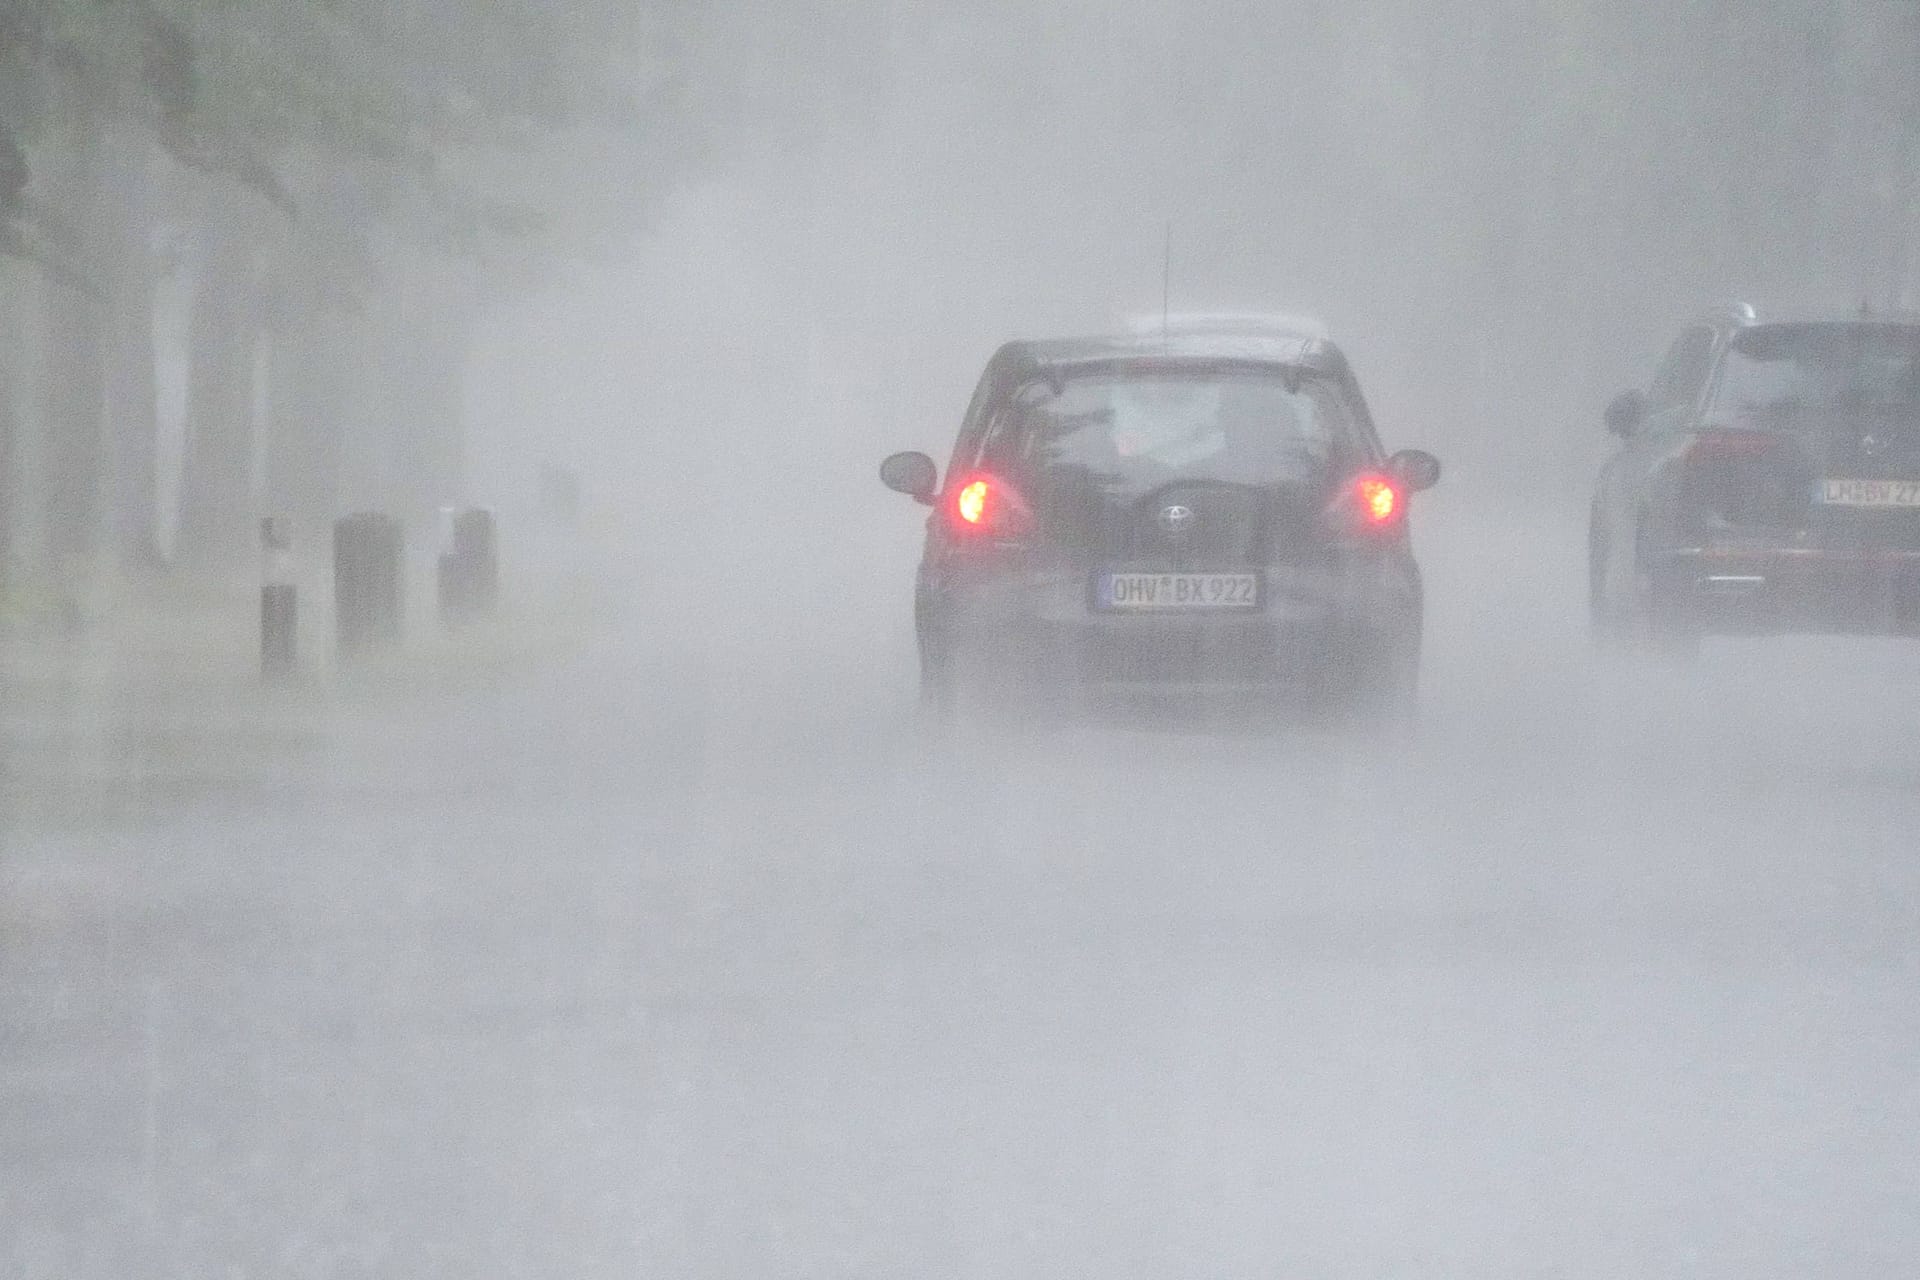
{"type": "Point", "coordinates": [1769, 482]}
{"type": "Point", "coordinates": [1205, 511]}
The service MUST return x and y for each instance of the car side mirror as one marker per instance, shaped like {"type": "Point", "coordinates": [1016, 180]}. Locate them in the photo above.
{"type": "Point", "coordinates": [1415, 468]}
{"type": "Point", "coordinates": [913, 474]}
{"type": "Point", "coordinates": [1626, 413]}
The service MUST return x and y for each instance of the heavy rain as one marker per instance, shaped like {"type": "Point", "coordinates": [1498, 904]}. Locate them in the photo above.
{"type": "Point", "coordinates": [471, 803]}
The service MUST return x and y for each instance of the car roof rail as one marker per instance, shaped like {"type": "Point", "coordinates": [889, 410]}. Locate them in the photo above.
{"type": "Point", "coordinates": [1735, 312]}
{"type": "Point", "coordinates": [1265, 323]}
{"type": "Point", "coordinates": [1900, 312]}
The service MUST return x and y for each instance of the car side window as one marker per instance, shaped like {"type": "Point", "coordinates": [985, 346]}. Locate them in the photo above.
{"type": "Point", "coordinates": [1683, 374]}
{"type": "Point", "coordinates": [973, 429]}
{"type": "Point", "coordinates": [1001, 431]}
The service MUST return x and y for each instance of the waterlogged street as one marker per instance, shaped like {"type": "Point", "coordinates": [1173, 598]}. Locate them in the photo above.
{"type": "Point", "coordinates": [627, 916]}
{"type": "Point", "coordinates": [665, 958]}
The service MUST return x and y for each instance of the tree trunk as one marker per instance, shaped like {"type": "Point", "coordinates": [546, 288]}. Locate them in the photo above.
{"type": "Point", "coordinates": [73, 403]}
{"type": "Point", "coordinates": [132, 446]}
{"type": "Point", "coordinates": [216, 486]}
{"type": "Point", "coordinates": [404, 452]}
{"type": "Point", "coordinates": [424, 386]}
{"type": "Point", "coordinates": [1905, 232]}
{"type": "Point", "coordinates": [312, 374]}
{"type": "Point", "coordinates": [14, 378]}
{"type": "Point", "coordinates": [11, 379]}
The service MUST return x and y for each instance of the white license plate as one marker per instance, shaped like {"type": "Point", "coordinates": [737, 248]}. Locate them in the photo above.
{"type": "Point", "coordinates": [1870, 493]}
{"type": "Point", "coordinates": [1148, 592]}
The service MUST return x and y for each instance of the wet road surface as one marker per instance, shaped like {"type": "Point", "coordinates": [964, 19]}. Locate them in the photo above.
{"type": "Point", "coordinates": [680, 959]}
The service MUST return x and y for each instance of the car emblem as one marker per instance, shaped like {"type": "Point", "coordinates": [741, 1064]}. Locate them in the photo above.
{"type": "Point", "coordinates": [1176, 519]}
{"type": "Point", "coordinates": [1872, 446]}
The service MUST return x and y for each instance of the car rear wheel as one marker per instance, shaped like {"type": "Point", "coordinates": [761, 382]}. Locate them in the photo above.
{"type": "Point", "coordinates": [1398, 704]}
{"type": "Point", "coordinates": [1385, 696]}
{"type": "Point", "coordinates": [958, 685]}
{"type": "Point", "coordinates": [1628, 614]}
{"type": "Point", "coordinates": [936, 691]}
{"type": "Point", "coordinates": [1601, 622]}
{"type": "Point", "coordinates": [1670, 640]}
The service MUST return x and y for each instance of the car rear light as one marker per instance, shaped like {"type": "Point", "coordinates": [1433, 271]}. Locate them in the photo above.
{"type": "Point", "coordinates": [1714, 444]}
{"type": "Point", "coordinates": [1381, 501]}
{"type": "Point", "coordinates": [1368, 505]}
{"type": "Point", "coordinates": [1733, 478]}
{"type": "Point", "coordinates": [971, 505]}
{"type": "Point", "coordinates": [987, 506]}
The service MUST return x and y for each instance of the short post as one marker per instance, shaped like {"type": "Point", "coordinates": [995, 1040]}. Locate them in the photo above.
{"type": "Point", "coordinates": [366, 582]}
{"type": "Point", "coordinates": [279, 603]}
{"type": "Point", "coordinates": [469, 581]}
{"type": "Point", "coordinates": [447, 582]}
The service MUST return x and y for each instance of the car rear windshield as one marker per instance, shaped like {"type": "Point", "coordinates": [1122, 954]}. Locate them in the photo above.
{"type": "Point", "coordinates": [1130, 432]}
{"type": "Point", "coordinates": [1783, 371]}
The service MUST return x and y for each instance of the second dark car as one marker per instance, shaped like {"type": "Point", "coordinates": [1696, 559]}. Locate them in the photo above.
{"type": "Point", "coordinates": [1768, 482]}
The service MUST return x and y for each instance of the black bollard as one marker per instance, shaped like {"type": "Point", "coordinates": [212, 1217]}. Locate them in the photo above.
{"type": "Point", "coordinates": [367, 582]}
{"type": "Point", "coordinates": [469, 565]}
{"type": "Point", "coordinates": [279, 604]}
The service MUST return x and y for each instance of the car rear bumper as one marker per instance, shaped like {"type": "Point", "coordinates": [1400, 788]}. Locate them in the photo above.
{"type": "Point", "coordinates": [1308, 637]}
{"type": "Point", "coordinates": [1792, 590]}
{"type": "Point", "coordinates": [1250, 654]}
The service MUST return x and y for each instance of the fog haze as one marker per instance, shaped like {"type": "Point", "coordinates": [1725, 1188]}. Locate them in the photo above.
{"type": "Point", "coordinates": [648, 929]}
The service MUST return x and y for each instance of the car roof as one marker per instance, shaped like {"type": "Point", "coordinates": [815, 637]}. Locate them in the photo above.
{"type": "Point", "coordinates": [1289, 349]}
{"type": "Point", "coordinates": [1744, 316]}
{"type": "Point", "coordinates": [1248, 323]}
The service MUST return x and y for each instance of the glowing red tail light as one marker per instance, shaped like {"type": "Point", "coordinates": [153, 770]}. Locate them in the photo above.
{"type": "Point", "coordinates": [1380, 500]}
{"type": "Point", "coordinates": [971, 503]}
{"type": "Point", "coordinates": [988, 506]}
{"type": "Point", "coordinates": [1716, 443]}
{"type": "Point", "coordinates": [1367, 505]}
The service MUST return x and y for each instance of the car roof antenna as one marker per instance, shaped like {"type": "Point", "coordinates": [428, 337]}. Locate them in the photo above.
{"type": "Point", "coordinates": [1166, 283]}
